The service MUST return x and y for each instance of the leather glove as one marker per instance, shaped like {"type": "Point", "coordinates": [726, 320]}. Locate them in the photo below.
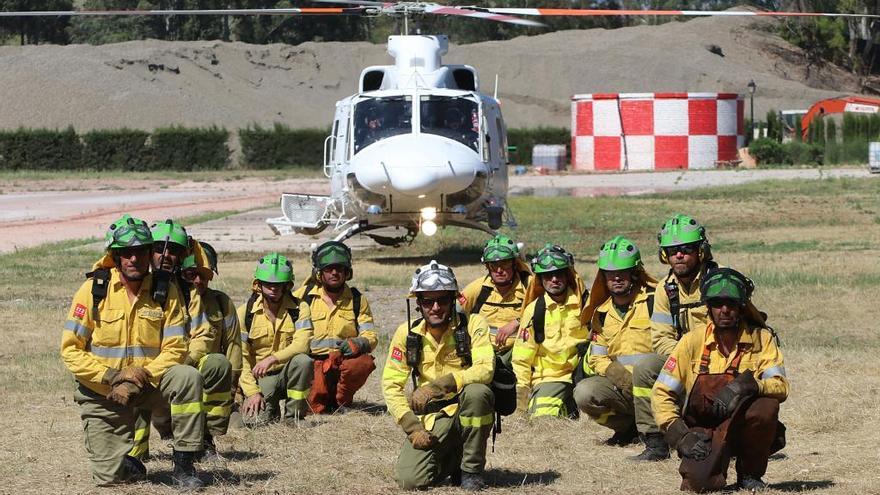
{"type": "Point", "coordinates": [620, 377]}
{"type": "Point", "coordinates": [123, 393]}
{"type": "Point", "coordinates": [422, 439]}
{"type": "Point", "coordinates": [694, 445]}
{"type": "Point", "coordinates": [522, 398]}
{"type": "Point", "coordinates": [138, 376]}
{"type": "Point", "coordinates": [354, 347]}
{"type": "Point", "coordinates": [432, 391]}
{"type": "Point", "coordinates": [741, 389]}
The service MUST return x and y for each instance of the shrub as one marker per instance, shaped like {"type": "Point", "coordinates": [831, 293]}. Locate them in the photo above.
{"type": "Point", "coordinates": [40, 149]}
{"type": "Point", "coordinates": [526, 138]}
{"type": "Point", "coordinates": [183, 149]}
{"type": "Point", "coordinates": [282, 146]}
{"type": "Point", "coordinates": [118, 149]}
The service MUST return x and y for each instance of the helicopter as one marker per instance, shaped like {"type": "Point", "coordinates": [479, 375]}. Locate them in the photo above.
{"type": "Point", "coordinates": [419, 145]}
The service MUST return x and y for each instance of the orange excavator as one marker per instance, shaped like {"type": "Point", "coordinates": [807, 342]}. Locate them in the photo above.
{"type": "Point", "coordinates": [857, 104]}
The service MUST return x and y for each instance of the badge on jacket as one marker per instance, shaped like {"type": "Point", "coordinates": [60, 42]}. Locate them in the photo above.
{"type": "Point", "coordinates": [79, 311]}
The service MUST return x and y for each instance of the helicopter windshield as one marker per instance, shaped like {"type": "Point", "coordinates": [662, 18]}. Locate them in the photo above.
{"type": "Point", "coordinates": [379, 118]}
{"type": "Point", "coordinates": [451, 117]}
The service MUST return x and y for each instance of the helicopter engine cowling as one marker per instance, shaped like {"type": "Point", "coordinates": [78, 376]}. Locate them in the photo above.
{"type": "Point", "coordinates": [416, 166]}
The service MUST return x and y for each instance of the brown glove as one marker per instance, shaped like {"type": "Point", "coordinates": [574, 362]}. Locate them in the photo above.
{"type": "Point", "coordinates": [422, 439]}
{"type": "Point", "coordinates": [522, 398]}
{"type": "Point", "coordinates": [432, 391]}
{"type": "Point", "coordinates": [123, 393]}
{"type": "Point", "coordinates": [138, 376]}
{"type": "Point", "coordinates": [620, 377]}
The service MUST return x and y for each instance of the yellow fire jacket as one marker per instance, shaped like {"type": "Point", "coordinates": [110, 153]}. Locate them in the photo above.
{"type": "Point", "coordinates": [214, 329]}
{"type": "Point", "coordinates": [498, 310]}
{"type": "Point", "coordinates": [663, 334]}
{"type": "Point", "coordinates": [282, 339]}
{"type": "Point", "coordinates": [624, 339]}
{"type": "Point", "coordinates": [555, 358]}
{"type": "Point", "coordinates": [677, 378]}
{"type": "Point", "coordinates": [141, 333]}
{"type": "Point", "coordinates": [437, 359]}
{"type": "Point", "coordinates": [333, 326]}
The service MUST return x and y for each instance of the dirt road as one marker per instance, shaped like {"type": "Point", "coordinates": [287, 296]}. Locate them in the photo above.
{"type": "Point", "coordinates": [36, 212]}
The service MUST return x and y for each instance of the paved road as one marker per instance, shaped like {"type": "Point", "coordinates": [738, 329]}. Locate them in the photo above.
{"type": "Point", "coordinates": [32, 213]}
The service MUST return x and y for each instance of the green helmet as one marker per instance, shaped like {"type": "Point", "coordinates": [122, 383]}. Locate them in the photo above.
{"type": "Point", "coordinates": [127, 232]}
{"type": "Point", "coordinates": [619, 254]}
{"type": "Point", "coordinates": [499, 248]}
{"type": "Point", "coordinates": [726, 283]}
{"type": "Point", "coordinates": [551, 258]}
{"type": "Point", "coordinates": [188, 262]}
{"type": "Point", "coordinates": [171, 230]}
{"type": "Point", "coordinates": [274, 268]}
{"type": "Point", "coordinates": [680, 229]}
{"type": "Point", "coordinates": [331, 253]}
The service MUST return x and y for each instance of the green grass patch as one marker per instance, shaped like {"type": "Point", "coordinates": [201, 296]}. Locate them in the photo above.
{"type": "Point", "coordinates": [195, 176]}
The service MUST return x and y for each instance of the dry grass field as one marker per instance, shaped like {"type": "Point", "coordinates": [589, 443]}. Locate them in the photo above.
{"type": "Point", "coordinates": [811, 246]}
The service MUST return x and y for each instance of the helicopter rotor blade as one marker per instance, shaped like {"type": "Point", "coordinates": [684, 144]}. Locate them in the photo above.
{"type": "Point", "coordinates": [487, 14]}
{"type": "Point", "coordinates": [684, 13]}
{"type": "Point", "coordinates": [195, 12]}
{"type": "Point", "coordinates": [368, 3]}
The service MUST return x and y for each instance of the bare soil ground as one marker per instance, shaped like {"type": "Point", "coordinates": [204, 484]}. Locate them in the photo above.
{"type": "Point", "coordinates": [149, 84]}
{"type": "Point", "coordinates": [811, 247]}
{"type": "Point", "coordinates": [33, 212]}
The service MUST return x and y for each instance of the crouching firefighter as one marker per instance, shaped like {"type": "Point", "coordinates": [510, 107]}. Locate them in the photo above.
{"type": "Point", "coordinates": [732, 379]}
{"type": "Point", "coordinates": [215, 342]}
{"type": "Point", "coordinates": [623, 294]}
{"type": "Point", "coordinates": [552, 339]}
{"type": "Point", "coordinates": [276, 330]}
{"type": "Point", "coordinates": [450, 360]}
{"type": "Point", "coordinates": [344, 334]}
{"type": "Point", "coordinates": [125, 343]}
{"type": "Point", "coordinates": [498, 295]}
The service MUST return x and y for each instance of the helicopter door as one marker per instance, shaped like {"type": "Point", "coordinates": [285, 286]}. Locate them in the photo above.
{"type": "Point", "coordinates": [330, 149]}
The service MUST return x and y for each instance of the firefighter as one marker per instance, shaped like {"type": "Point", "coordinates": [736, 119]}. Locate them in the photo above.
{"type": "Point", "coordinates": [621, 337]}
{"type": "Point", "coordinates": [683, 246]}
{"type": "Point", "coordinates": [125, 342]}
{"type": "Point", "coordinates": [498, 295]}
{"type": "Point", "coordinates": [276, 331]}
{"type": "Point", "coordinates": [731, 377]}
{"type": "Point", "coordinates": [552, 337]}
{"type": "Point", "coordinates": [450, 360]}
{"type": "Point", "coordinates": [344, 331]}
{"type": "Point", "coordinates": [215, 342]}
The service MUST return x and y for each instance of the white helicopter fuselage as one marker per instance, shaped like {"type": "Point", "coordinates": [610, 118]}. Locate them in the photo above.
{"type": "Point", "coordinates": [417, 147]}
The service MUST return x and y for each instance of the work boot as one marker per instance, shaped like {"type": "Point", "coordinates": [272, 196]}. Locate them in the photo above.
{"type": "Point", "coordinates": [751, 483]}
{"type": "Point", "coordinates": [184, 474]}
{"type": "Point", "coordinates": [656, 448]}
{"type": "Point", "coordinates": [472, 482]}
{"type": "Point", "coordinates": [209, 454]}
{"type": "Point", "coordinates": [134, 470]}
{"type": "Point", "coordinates": [624, 438]}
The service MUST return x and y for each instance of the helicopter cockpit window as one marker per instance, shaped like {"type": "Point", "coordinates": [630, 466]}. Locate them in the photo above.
{"type": "Point", "coordinates": [451, 117]}
{"type": "Point", "coordinates": [379, 118]}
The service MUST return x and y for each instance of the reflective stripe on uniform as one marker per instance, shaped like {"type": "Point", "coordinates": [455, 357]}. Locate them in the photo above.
{"type": "Point", "coordinates": [297, 394]}
{"type": "Point", "coordinates": [774, 371]}
{"type": "Point", "coordinates": [175, 331]}
{"type": "Point", "coordinates": [244, 337]}
{"type": "Point", "coordinates": [217, 411]}
{"type": "Point", "coordinates": [598, 350]}
{"type": "Point", "coordinates": [200, 319]}
{"type": "Point", "coordinates": [80, 330]}
{"type": "Point", "coordinates": [547, 406]}
{"type": "Point", "coordinates": [670, 381]}
{"type": "Point", "coordinates": [493, 330]}
{"type": "Point", "coordinates": [332, 343]}
{"type": "Point", "coordinates": [299, 325]}
{"type": "Point", "coordinates": [641, 392]}
{"type": "Point", "coordinates": [217, 397]}
{"type": "Point", "coordinates": [186, 408]}
{"type": "Point", "coordinates": [603, 418]}
{"type": "Point", "coordinates": [122, 352]}
{"type": "Point", "coordinates": [662, 318]}
{"type": "Point", "coordinates": [141, 443]}
{"type": "Point", "coordinates": [483, 352]}
{"type": "Point", "coordinates": [366, 326]}
{"type": "Point", "coordinates": [631, 359]}
{"type": "Point", "coordinates": [476, 421]}
{"type": "Point", "coordinates": [230, 320]}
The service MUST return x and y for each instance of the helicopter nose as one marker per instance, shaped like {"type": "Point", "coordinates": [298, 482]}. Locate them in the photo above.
{"type": "Point", "coordinates": [413, 183]}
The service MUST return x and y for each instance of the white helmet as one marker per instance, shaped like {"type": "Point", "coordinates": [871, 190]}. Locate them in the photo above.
{"type": "Point", "coordinates": [433, 277]}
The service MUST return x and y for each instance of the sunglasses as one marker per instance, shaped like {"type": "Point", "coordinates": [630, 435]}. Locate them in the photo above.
{"type": "Point", "coordinates": [683, 249]}
{"type": "Point", "coordinates": [429, 303]}
{"type": "Point", "coordinates": [173, 249]}
{"type": "Point", "coordinates": [129, 252]}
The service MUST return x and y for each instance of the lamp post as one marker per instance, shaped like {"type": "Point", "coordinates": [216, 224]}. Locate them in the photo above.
{"type": "Point", "coordinates": [752, 87]}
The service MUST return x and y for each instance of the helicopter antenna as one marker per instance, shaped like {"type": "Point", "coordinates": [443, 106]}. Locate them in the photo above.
{"type": "Point", "coordinates": [496, 88]}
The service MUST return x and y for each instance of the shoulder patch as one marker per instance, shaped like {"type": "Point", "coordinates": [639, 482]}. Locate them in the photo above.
{"type": "Point", "coordinates": [594, 336]}
{"type": "Point", "coordinates": [397, 354]}
{"type": "Point", "coordinates": [79, 311]}
{"type": "Point", "coordinates": [670, 364]}
{"type": "Point", "coordinates": [462, 300]}
{"type": "Point", "coordinates": [524, 335]}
